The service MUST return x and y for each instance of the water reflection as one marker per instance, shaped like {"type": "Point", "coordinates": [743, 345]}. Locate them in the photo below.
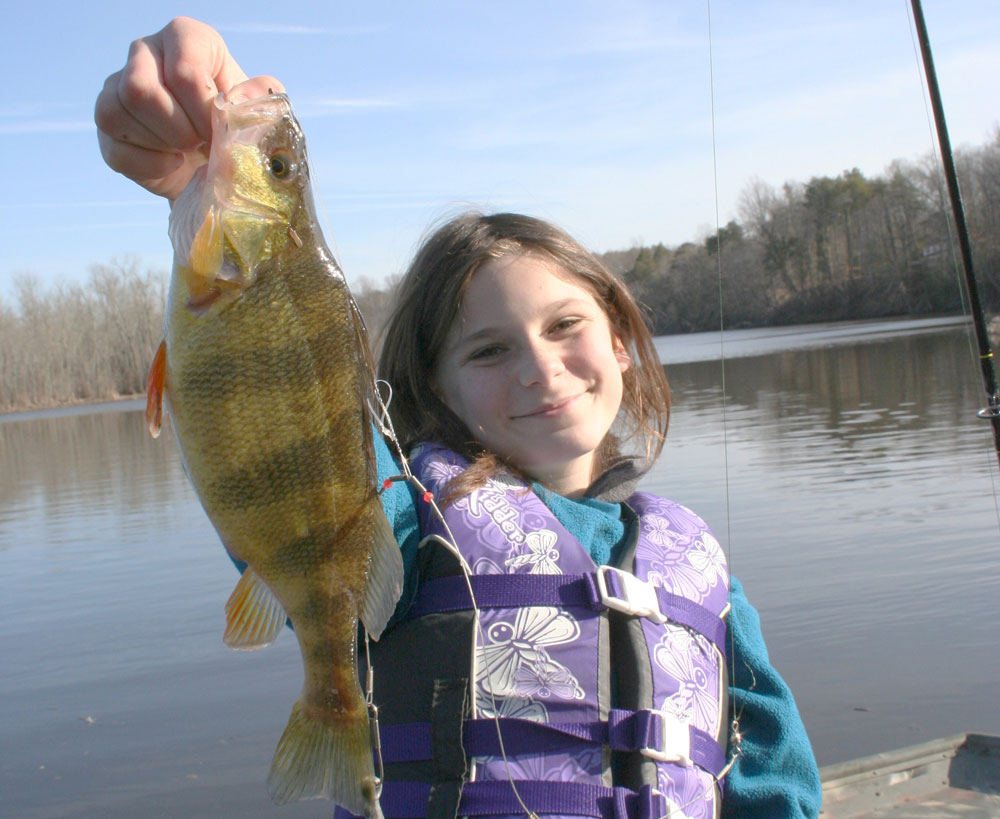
{"type": "Point", "coordinates": [852, 486]}
{"type": "Point", "coordinates": [843, 414]}
{"type": "Point", "coordinates": [84, 469]}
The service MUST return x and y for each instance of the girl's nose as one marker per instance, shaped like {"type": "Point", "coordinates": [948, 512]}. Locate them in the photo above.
{"type": "Point", "coordinates": [539, 364]}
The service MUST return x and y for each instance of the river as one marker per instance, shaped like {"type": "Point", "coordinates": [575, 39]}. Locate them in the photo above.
{"type": "Point", "coordinates": [842, 466]}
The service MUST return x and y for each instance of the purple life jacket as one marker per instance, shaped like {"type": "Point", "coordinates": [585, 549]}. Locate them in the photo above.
{"type": "Point", "coordinates": [608, 685]}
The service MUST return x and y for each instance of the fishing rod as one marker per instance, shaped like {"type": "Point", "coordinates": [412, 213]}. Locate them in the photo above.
{"type": "Point", "coordinates": [992, 411]}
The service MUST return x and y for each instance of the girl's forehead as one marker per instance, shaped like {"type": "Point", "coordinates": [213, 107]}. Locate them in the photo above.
{"type": "Point", "coordinates": [522, 272]}
{"type": "Point", "coordinates": [525, 287]}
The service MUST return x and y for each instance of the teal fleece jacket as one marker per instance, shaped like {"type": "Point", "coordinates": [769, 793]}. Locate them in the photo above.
{"type": "Point", "coordinates": [776, 775]}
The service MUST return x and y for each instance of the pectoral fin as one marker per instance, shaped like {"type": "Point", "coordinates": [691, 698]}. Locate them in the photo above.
{"type": "Point", "coordinates": [385, 577]}
{"type": "Point", "coordinates": [154, 390]}
{"type": "Point", "coordinates": [205, 256]}
{"type": "Point", "coordinates": [204, 263]}
{"type": "Point", "coordinates": [254, 616]}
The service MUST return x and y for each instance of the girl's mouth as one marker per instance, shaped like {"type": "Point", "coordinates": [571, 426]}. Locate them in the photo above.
{"type": "Point", "coordinates": [550, 409]}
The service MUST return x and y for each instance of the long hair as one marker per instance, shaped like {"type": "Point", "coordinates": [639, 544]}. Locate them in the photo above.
{"type": "Point", "coordinates": [429, 298]}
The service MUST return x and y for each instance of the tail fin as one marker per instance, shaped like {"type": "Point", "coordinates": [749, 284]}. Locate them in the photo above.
{"type": "Point", "coordinates": [314, 760]}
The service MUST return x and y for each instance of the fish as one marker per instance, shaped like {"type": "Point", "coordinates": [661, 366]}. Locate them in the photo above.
{"type": "Point", "coordinates": [267, 377]}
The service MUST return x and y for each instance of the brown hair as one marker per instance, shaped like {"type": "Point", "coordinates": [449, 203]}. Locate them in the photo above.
{"type": "Point", "coordinates": [429, 297]}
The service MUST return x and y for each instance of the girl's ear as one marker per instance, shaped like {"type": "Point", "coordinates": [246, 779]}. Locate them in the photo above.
{"type": "Point", "coordinates": [624, 359]}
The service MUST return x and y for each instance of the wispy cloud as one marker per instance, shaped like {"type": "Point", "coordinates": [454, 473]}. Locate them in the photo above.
{"type": "Point", "coordinates": [630, 42]}
{"type": "Point", "coordinates": [354, 202]}
{"type": "Point", "coordinates": [94, 203]}
{"type": "Point", "coordinates": [286, 28]}
{"type": "Point", "coordinates": [45, 126]}
{"type": "Point", "coordinates": [370, 102]}
{"type": "Point", "coordinates": [75, 227]}
{"type": "Point", "coordinates": [329, 107]}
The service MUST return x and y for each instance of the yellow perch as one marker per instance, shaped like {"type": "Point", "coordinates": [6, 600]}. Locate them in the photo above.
{"type": "Point", "coordinates": [268, 378]}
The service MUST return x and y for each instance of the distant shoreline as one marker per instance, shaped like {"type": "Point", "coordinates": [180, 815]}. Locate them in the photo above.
{"type": "Point", "coordinates": [781, 334]}
{"type": "Point", "coordinates": [120, 404]}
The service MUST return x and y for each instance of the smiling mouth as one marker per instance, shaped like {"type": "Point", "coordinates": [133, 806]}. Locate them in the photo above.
{"type": "Point", "coordinates": [548, 410]}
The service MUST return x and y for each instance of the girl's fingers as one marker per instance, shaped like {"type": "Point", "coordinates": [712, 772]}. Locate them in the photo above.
{"type": "Point", "coordinates": [195, 66]}
{"type": "Point", "coordinates": [253, 88]}
{"type": "Point", "coordinates": [165, 173]}
{"type": "Point", "coordinates": [124, 113]}
{"type": "Point", "coordinates": [154, 116]}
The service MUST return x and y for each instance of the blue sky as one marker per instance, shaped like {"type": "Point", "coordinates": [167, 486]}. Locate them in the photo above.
{"type": "Point", "coordinates": [596, 115]}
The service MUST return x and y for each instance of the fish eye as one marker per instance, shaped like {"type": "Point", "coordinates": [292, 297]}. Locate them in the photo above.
{"type": "Point", "coordinates": [281, 165]}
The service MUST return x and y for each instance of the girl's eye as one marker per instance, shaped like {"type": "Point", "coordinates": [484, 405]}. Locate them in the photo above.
{"type": "Point", "coordinates": [486, 353]}
{"type": "Point", "coordinates": [565, 324]}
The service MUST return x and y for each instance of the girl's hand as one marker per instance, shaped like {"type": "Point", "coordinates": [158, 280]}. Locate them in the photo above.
{"type": "Point", "coordinates": [153, 116]}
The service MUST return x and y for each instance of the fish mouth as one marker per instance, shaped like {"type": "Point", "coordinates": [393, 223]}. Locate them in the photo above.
{"type": "Point", "coordinates": [225, 250]}
{"type": "Point", "coordinates": [225, 225]}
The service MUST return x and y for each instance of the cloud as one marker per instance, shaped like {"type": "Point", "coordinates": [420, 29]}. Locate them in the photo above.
{"type": "Point", "coordinates": [353, 103]}
{"type": "Point", "coordinates": [45, 126]}
{"type": "Point", "coordinates": [285, 28]}
{"type": "Point", "coordinates": [323, 107]}
{"type": "Point", "coordinates": [358, 202]}
{"type": "Point", "coordinates": [93, 203]}
{"type": "Point", "coordinates": [49, 229]}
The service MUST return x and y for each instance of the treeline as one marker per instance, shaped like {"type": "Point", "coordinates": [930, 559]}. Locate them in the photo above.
{"type": "Point", "coordinates": [80, 343]}
{"type": "Point", "coordinates": [95, 341]}
{"type": "Point", "coordinates": [832, 248]}
{"type": "Point", "coordinates": [846, 247]}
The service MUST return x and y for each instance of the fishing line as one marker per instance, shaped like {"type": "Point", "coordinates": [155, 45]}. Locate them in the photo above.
{"type": "Point", "coordinates": [384, 421]}
{"type": "Point", "coordinates": [735, 737]}
{"type": "Point", "coordinates": [380, 415]}
{"type": "Point", "coordinates": [967, 307]}
{"type": "Point", "coordinates": [958, 212]}
{"type": "Point", "coordinates": [929, 117]}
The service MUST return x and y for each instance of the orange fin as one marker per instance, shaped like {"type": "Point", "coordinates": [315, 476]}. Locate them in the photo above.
{"type": "Point", "coordinates": [205, 256]}
{"type": "Point", "coordinates": [154, 390]}
{"type": "Point", "coordinates": [317, 759]}
{"type": "Point", "coordinates": [254, 616]}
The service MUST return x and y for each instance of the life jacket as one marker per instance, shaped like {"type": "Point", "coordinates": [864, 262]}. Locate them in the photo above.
{"type": "Point", "coordinates": [600, 691]}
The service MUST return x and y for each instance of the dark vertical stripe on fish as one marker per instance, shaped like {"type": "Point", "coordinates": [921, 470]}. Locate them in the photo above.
{"type": "Point", "coordinates": [277, 368]}
{"type": "Point", "coordinates": [301, 466]}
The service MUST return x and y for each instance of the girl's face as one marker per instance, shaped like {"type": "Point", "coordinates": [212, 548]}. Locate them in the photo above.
{"type": "Point", "coordinates": [532, 368]}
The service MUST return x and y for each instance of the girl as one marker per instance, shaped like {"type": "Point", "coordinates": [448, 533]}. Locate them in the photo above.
{"type": "Point", "coordinates": [514, 352]}
{"type": "Point", "coordinates": [593, 680]}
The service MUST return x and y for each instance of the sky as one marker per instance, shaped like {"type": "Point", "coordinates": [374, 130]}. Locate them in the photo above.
{"type": "Point", "coordinates": [625, 123]}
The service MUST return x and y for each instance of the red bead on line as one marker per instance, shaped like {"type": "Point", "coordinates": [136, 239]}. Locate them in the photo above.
{"type": "Point", "coordinates": [387, 483]}
{"type": "Point", "coordinates": [428, 496]}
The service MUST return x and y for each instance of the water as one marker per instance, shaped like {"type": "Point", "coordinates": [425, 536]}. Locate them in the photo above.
{"type": "Point", "coordinates": [844, 469]}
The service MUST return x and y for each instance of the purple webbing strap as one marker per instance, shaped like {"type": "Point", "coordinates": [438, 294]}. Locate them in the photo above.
{"type": "Point", "coordinates": [408, 800]}
{"type": "Point", "coordinates": [680, 610]}
{"type": "Point", "coordinates": [506, 591]}
{"type": "Point", "coordinates": [515, 590]}
{"type": "Point", "coordinates": [624, 731]}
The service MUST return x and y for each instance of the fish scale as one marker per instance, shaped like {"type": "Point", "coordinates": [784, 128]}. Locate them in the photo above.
{"type": "Point", "coordinates": [267, 376]}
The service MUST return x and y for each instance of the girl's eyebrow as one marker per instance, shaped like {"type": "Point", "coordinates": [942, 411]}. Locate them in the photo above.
{"type": "Point", "coordinates": [492, 330]}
